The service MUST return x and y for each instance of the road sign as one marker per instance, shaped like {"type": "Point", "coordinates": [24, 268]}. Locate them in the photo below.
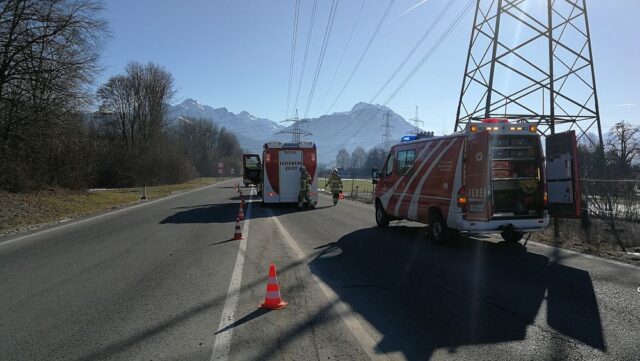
{"type": "Point", "coordinates": [220, 171]}
{"type": "Point", "coordinates": [220, 165]}
{"type": "Point", "coordinates": [233, 171]}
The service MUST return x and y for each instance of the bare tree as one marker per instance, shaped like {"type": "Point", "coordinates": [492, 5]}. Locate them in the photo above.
{"type": "Point", "coordinates": [135, 105]}
{"type": "Point", "coordinates": [49, 51]}
{"type": "Point", "coordinates": [623, 145]}
{"type": "Point", "coordinates": [343, 159]}
{"type": "Point", "coordinates": [358, 157]}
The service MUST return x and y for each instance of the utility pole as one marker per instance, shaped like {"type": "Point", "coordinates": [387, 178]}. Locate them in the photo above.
{"type": "Point", "coordinates": [386, 137]}
{"type": "Point", "coordinates": [416, 123]}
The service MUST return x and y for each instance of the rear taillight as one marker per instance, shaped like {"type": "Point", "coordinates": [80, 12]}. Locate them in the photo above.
{"type": "Point", "coordinates": [545, 196]}
{"type": "Point", "coordinates": [461, 198]}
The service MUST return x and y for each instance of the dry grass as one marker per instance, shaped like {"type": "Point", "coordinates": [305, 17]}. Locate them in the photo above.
{"type": "Point", "coordinates": [24, 211]}
{"type": "Point", "coordinates": [598, 241]}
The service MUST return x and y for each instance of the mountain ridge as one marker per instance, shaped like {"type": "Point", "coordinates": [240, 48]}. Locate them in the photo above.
{"type": "Point", "coordinates": [359, 126]}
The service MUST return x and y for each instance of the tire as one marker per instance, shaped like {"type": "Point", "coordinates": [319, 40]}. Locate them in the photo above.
{"type": "Point", "coordinates": [437, 229]}
{"type": "Point", "coordinates": [382, 219]}
{"type": "Point", "coordinates": [512, 236]}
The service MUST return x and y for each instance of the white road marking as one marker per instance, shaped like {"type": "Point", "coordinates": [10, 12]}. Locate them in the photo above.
{"type": "Point", "coordinates": [347, 315]}
{"type": "Point", "coordinates": [108, 214]}
{"type": "Point", "coordinates": [222, 344]}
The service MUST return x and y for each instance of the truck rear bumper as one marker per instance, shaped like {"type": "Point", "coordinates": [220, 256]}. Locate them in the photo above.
{"type": "Point", "coordinates": [520, 225]}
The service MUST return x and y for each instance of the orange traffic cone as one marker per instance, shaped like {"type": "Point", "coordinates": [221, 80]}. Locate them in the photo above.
{"type": "Point", "coordinates": [238, 233]}
{"type": "Point", "coordinates": [241, 212]}
{"type": "Point", "coordinates": [272, 300]}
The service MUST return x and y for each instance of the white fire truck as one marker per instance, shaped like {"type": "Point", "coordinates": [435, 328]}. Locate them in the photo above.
{"type": "Point", "coordinates": [281, 172]}
{"type": "Point", "coordinates": [490, 178]}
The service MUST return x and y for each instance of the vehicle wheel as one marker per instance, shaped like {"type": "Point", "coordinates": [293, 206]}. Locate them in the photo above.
{"type": "Point", "coordinates": [512, 236]}
{"type": "Point", "coordinates": [312, 205]}
{"type": "Point", "coordinates": [437, 229]}
{"type": "Point", "coordinates": [382, 219]}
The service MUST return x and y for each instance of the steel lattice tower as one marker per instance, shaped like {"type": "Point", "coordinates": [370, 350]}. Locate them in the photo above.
{"type": "Point", "coordinates": [531, 60]}
{"type": "Point", "coordinates": [296, 130]}
{"type": "Point", "coordinates": [386, 137]}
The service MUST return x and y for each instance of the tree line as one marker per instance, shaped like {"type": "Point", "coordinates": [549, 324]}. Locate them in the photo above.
{"type": "Point", "coordinates": [360, 162]}
{"type": "Point", "coordinates": [50, 132]}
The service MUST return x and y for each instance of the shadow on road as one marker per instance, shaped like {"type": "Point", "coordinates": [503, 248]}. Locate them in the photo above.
{"type": "Point", "coordinates": [227, 212]}
{"type": "Point", "coordinates": [465, 293]}
{"type": "Point", "coordinates": [251, 316]}
{"type": "Point", "coordinates": [213, 213]}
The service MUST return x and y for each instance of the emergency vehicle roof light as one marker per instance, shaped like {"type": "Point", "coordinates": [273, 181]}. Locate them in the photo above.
{"type": "Point", "coordinates": [533, 128]}
{"type": "Point", "coordinates": [495, 120]}
{"type": "Point", "coordinates": [474, 128]}
{"type": "Point", "coordinates": [408, 138]}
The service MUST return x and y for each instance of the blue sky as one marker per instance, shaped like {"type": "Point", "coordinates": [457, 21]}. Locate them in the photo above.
{"type": "Point", "coordinates": [236, 54]}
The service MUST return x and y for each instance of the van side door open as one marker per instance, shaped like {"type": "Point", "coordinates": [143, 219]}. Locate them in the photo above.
{"type": "Point", "coordinates": [563, 175]}
{"type": "Point", "coordinates": [476, 177]}
{"type": "Point", "coordinates": [251, 169]}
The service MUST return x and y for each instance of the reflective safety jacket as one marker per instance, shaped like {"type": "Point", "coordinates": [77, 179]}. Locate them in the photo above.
{"type": "Point", "coordinates": [334, 183]}
{"type": "Point", "coordinates": [305, 181]}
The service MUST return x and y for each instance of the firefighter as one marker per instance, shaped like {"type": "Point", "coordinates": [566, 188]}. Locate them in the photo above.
{"type": "Point", "coordinates": [335, 184]}
{"type": "Point", "coordinates": [305, 181]}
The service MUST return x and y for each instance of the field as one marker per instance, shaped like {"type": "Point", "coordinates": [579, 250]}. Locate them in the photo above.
{"type": "Point", "coordinates": [363, 185]}
{"type": "Point", "coordinates": [23, 211]}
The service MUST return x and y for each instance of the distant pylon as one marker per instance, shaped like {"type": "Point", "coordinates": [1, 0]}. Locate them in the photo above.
{"type": "Point", "coordinates": [416, 123]}
{"type": "Point", "coordinates": [386, 137]}
{"type": "Point", "coordinates": [295, 130]}
{"type": "Point", "coordinates": [531, 60]}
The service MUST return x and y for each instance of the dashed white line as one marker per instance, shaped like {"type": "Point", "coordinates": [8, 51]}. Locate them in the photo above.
{"type": "Point", "coordinates": [222, 344]}
{"type": "Point", "coordinates": [347, 315]}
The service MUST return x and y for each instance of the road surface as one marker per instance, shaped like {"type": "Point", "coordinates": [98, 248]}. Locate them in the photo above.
{"type": "Point", "coordinates": [164, 281]}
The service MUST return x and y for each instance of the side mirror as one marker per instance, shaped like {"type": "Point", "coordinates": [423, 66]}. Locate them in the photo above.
{"type": "Point", "coordinates": [375, 175]}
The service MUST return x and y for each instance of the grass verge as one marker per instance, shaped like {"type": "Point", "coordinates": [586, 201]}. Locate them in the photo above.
{"type": "Point", "coordinates": [364, 185]}
{"type": "Point", "coordinates": [26, 211]}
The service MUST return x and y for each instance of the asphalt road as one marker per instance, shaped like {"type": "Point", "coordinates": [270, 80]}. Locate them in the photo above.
{"type": "Point", "coordinates": [165, 281]}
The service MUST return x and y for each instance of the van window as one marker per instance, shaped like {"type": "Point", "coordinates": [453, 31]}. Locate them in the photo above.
{"type": "Point", "coordinates": [388, 169]}
{"type": "Point", "coordinates": [405, 161]}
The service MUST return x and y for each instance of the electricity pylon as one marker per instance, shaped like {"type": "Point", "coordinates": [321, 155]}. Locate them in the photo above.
{"type": "Point", "coordinates": [531, 60]}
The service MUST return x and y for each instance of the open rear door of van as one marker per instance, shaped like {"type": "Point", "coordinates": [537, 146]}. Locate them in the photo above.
{"type": "Point", "coordinates": [477, 177]}
{"type": "Point", "coordinates": [563, 175]}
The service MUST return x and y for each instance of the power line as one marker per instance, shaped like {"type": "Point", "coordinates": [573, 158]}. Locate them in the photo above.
{"type": "Point", "coordinates": [293, 53]}
{"type": "Point", "coordinates": [413, 50]}
{"type": "Point", "coordinates": [364, 53]}
{"type": "Point", "coordinates": [323, 50]}
{"type": "Point", "coordinates": [306, 50]}
{"type": "Point", "coordinates": [432, 50]}
{"type": "Point", "coordinates": [422, 61]}
{"type": "Point", "coordinates": [344, 51]}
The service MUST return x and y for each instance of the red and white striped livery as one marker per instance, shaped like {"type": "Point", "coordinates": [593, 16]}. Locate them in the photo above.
{"type": "Point", "coordinates": [281, 171]}
{"type": "Point", "coordinates": [490, 178]}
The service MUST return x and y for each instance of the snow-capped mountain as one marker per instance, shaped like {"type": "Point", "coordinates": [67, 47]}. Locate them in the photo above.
{"type": "Point", "coordinates": [250, 130]}
{"type": "Point", "coordinates": [360, 126]}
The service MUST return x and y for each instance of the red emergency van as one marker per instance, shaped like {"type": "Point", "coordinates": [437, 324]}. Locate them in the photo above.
{"type": "Point", "coordinates": [281, 171]}
{"type": "Point", "coordinates": [492, 177]}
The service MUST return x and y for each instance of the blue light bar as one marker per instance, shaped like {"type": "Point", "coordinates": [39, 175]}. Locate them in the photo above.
{"type": "Point", "coordinates": [408, 138]}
